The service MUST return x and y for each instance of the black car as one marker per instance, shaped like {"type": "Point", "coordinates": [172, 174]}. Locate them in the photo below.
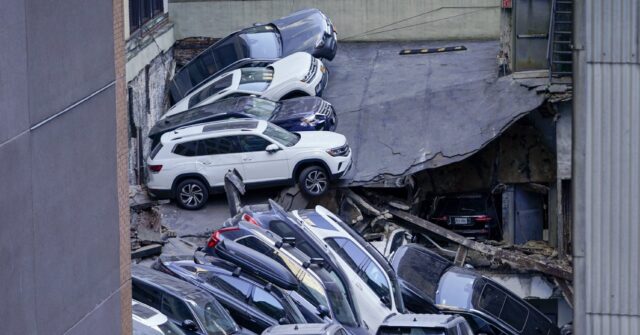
{"type": "Point", "coordinates": [321, 292]}
{"type": "Point", "coordinates": [194, 310]}
{"type": "Point", "coordinates": [471, 215]}
{"type": "Point", "coordinates": [296, 114]}
{"type": "Point", "coordinates": [429, 280]}
{"type": "Point", "coordinates": [307, 30]}
{"type": "Point", "coordinates": [256, 297]}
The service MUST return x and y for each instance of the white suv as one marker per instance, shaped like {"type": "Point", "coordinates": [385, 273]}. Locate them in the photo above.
{"type": "Point", "coordinates": [191, 162]}
{"type": "Point", "coordinates": [296, 75]}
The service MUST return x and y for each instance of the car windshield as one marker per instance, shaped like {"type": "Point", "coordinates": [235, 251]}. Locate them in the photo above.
{"type": "Point", "coordinates": [210, 90]}
{"type": "Point", "coordinates": [410, 331]}
{"type": "Point", "coordinates": [280, 135]}
{"type": "Point", "coordinates": [455, 290]}
{"type": "Point", "coordinates": [169, 328]}
{"type": "Point", "coordinates": [341, 308]}
{"type": "Point", "coordinates": [215, 319]}
{"type": "Point", "coordinates": [261, 108]}
{"type": "Point", "coordinates": [261, 45]}
{"type": "Point", "coordinates": [255, 79]}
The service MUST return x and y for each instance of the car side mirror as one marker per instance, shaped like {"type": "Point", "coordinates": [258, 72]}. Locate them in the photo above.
{"type": "Point", "coordinates": [283, 321]}
{"type": "Point", "coordinates": [272, 148]}
{"type": "Point", "coordinates": [323, 311]}
{"type": "Point", "coordinates": [189, 325]}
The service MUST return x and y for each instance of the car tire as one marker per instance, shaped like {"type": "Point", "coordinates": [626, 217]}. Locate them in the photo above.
{"type": "Point", "coordinates": [191, 194]}
{"type": "Point", "coordinates": [313, 181]}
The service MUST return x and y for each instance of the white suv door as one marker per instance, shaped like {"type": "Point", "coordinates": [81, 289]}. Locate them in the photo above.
{"type": "Point", "coordinates": [216, 156]}
{"type": "Point", "coordinates": [258, 164]}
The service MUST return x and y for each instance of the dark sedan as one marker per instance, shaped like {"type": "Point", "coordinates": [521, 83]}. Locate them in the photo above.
{"type": "Point", "coordinates": [307, 30]}
{"type": "Point", "coordinates": [429, 280]}
{"type": "Point", "coordinates": [296, 114]}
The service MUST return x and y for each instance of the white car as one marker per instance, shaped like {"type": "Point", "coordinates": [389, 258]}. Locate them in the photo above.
{"type": "Point", "coordinates": [373, 280]}
{"type": "Point", "coordinates": [299, 74]}
{"type": "Point", "coordinates": [432, 324]}
{"type": "Point", "coordinates": [149, 321]}
{"type": "Point", "coordinates": [191, 162]}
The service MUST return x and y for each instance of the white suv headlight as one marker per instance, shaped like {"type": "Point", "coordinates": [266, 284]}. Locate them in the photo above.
{"type": "Point", "coordinates": [339, 151]}
{"type": "Point", "coordinates": [313, 69]}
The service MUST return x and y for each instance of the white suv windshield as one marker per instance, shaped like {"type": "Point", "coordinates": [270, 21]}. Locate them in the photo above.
{"type": "Point", "coordinates": [280, 135]}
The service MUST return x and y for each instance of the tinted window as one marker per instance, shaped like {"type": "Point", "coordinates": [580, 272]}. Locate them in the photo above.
{"type": "Point", "coordinates": [146, 294]}
{"type": "Point", "coordinates": [218, 146]}
{"type": "Point", "coordinates": [348, 251]}
{"type": "Point", "coordinates": [262, 45]}
{"type": "Point", "coordinates": [425, 278]}
{"type": "Point", "coordinates": [175, 309]}
{"type": "Point", "coordinates": [155, 151]}
{"type": "Point", "coordinates": [374, 276]}
{"type": "Point", "coordinates": [514, 314]}
{"type": "Point", "coordinates": [267, 304]}
{"type": "Point", "coordinates": [492, 300]}
{"type": "Point", "coordinates": [210, 90]}
{"type": "Point", "coordinates": [186, 149]}
{"type": "Point", "coordinates": [255, 244]}
{"type": "Point", "coordinates": [252, 143]}
{"type": "Point", "coordinates": [282, 229]}
{"type": "Point", "coordinates": [237, 288]}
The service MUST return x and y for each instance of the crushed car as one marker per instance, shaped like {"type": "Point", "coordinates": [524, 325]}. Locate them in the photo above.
{"type": "Point", "coordinates": [307, 30]}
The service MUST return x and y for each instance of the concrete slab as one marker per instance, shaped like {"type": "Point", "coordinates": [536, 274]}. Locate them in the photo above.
{"type": "Point", "coordinates": [403, 114]}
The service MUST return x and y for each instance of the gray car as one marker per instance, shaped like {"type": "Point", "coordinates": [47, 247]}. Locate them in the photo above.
{"type": "Point", "coordinates": [307, 329]}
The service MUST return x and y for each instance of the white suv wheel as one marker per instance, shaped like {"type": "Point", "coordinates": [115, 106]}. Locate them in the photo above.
{"type": "Point", "coordinates": [192, 194]}
{"type": "Point", "coordinates": [314, 181]}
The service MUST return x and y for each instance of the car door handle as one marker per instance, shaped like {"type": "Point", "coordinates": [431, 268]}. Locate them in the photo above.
{"type": "Point", "coordinates": [247, 159]}
{"type": "Point", "coordinates": [205, 162]}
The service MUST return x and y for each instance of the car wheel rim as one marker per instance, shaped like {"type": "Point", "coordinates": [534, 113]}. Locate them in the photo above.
{"type": "Point", "coordinates": [316, 182]}
{"type": "Point", "coordinates": [191, 195]}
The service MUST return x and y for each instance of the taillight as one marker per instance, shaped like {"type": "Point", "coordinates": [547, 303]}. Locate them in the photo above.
{"type": "Point", "coordinates": [250, 219]}
{"type": "Point", "coordinates": [215, 237]}
{"type": "Point", "coordinates": [482, 218]}
{"type": "Point", "coordinates": [441, 219]}
{"type": "Point", "coordinates": [155, 168]}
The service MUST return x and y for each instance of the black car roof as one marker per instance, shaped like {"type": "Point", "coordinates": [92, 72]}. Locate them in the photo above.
{"type": "Point", "coordinates": [170, 284]}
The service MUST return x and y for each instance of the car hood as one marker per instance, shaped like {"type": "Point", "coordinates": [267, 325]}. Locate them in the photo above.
{"type": "Point", "coordinates": [298, 108]}
{"type": "Point", "coordinates": [291, 68]}
{"type": "Point", "coordinates": [322, 139]}
{"type": "Point", "coordinates": [300, 31]}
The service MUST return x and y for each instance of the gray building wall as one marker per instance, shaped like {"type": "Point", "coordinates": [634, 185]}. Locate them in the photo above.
{"type": "Point", "coordinates": [355, 20]}
{"type": "Point", "coordinates": [606, 166]}
{"type": "Point", "coordinates": [60, 218]}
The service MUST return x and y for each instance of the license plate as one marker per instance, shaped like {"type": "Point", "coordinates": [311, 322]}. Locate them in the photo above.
{"type": "Point", "coordinates": [461, 221]}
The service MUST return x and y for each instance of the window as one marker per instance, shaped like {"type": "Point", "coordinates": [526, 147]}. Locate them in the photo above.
{"type": "Point", "coordinates": [283, 230]}
{"type": "Point", "coordinates": [499, 304]}
{"type": "Point", "coordinates": [252, 143]}
{"type": "Point", "coordinates": [218, 146]}
{"type": "Point", "coordinates": [285, 137]}
{"type": "Point", "coordinates": [425, 278]}
{"type": "Point", "coordinates": [146, 294]}
{"type": "Point", "coordinates": [268, 304]}
{"type": "Point", "coordinates": [374, 276]}
{"type": "Point", "coordinates": [257, 245]}
{"type": "Point", "coordinates": [141, 11]}
{"type": "Point", "coordinates": [410, 331]}
{"type": "Point", "coordinates": [211, 90]}
{"type": "Point", "coordinates": [155, 151]}
{"type": "Point", "coordinates": [348, 251]}
{"type": "Point", "coordinates": [237, 288]}
{"type": "Point", "coordinates": [175, 309]}
{"type": "Point", "coordinates": [188, 149]}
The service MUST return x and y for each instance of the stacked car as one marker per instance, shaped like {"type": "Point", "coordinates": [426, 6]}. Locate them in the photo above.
{"type": "Point", "coordinates": [247, 112]}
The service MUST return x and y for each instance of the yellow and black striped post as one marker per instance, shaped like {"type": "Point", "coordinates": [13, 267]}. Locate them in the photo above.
{"type": "Point", "coordinates": [432, 50]}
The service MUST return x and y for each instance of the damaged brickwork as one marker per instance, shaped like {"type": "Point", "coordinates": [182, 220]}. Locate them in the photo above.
{"type": "Point", "coordinates": [147, 94]}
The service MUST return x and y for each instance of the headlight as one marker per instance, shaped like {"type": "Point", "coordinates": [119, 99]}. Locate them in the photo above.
{"type": "Point", "coordinates": [320, 43]}
{"type": "Point", "coordinates": [312, 120]}
{"type": "Point", "coordinates": [339, 151]}
{"type": "Point", "coordinates": [313, 69]}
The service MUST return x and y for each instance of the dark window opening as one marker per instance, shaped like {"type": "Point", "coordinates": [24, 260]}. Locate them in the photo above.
{"type": "Point", "coordinates": [141, 11]}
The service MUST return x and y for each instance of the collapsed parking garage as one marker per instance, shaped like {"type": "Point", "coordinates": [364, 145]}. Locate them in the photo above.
{"type": "Point", "coordinates": [442, 137]}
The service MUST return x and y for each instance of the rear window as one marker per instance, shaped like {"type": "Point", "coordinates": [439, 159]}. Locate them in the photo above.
{"type": "Point", "coordinates": [155, 151]}
{"type": "Point", "coordinates": [211, 90]}
{"type": "Point", "coordinates": [461, 206]}
{"type": "Point", "coordinates": [497, 303]}
{"type": "Point", "coordinates": [425, 278]}
{"type": "Point", "coordinates": [188, 149]}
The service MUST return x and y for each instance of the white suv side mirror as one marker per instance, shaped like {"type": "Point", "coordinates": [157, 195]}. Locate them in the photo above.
{"type": "Point", "coordinates": [272, 148]}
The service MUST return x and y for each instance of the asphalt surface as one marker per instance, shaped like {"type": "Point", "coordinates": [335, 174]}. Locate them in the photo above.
{"type": "Point", "coordinates": [404, 113]}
